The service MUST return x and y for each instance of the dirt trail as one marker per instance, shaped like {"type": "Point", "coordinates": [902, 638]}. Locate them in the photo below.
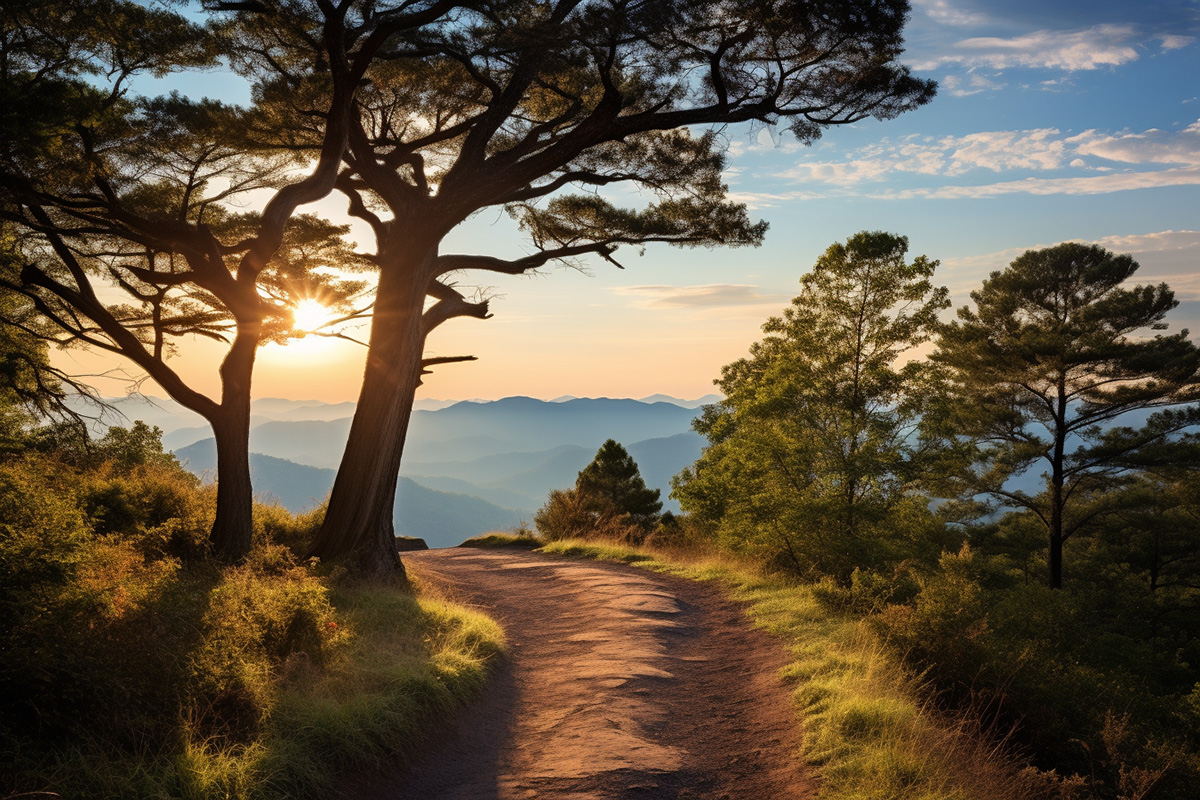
{"type": "Point", "coordinates": [621, 684]}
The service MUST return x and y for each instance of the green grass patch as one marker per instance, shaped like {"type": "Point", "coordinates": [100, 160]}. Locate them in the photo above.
{"type": "Point", "coordinates": [521, 540]}
{"type": "Point", "coordinates": [866, 724]}
{"type": "Point", "coordinates": [259, 681]}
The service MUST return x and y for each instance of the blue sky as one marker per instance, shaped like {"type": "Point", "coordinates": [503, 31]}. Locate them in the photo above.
{"type": "Point", "coordinates": [1053, 122]}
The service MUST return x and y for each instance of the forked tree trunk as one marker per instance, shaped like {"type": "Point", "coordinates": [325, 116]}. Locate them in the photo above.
{"type": "Point", "coordinates": [358, 529]}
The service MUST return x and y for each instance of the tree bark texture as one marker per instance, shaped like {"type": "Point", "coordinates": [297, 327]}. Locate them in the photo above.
{"type": "Point", "coordinates": [358, 528]}
{"type": "Point", "coordinates": [233, 527]}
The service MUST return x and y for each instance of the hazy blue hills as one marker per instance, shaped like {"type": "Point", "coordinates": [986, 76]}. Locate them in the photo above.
{"type": "Point", "coordinates": [468, 467]}
{"type": "Point", "coordinates": [442, 518]}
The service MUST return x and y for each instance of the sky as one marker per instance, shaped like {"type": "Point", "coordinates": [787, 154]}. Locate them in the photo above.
{"type": "Point", "coordinates": [1063, 121]}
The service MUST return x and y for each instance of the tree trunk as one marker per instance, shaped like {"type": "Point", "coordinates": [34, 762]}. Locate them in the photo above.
{"type": "Point", "coordinates": [1057, 479]}
{"type": "Point", "coordinates": [1056, 560]}
{"type": "Point", "coordinates": [358, 527]}
{"type": "Point", "coordinates": [233, 527]}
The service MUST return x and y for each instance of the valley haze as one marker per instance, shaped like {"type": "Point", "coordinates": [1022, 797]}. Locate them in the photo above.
{"type": "Point", "coordinates": [469, 466]}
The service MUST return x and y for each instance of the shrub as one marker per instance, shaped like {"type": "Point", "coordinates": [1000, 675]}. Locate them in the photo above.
{"type": "Point", "coordinates": [162, 507]}
{"type": "Point", "coordinates": [267, 616]}
{"type": "Point", "coordinates": [274, 524]}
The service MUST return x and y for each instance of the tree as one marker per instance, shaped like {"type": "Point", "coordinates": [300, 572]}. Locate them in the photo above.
{"type": "Point", "coordinates": [813, 453]}
{"type": "Point", "coordinates": [609, 497]}
{"type": "Point", "coordinates": [1047, 369]}
{"type": "Point", "coordinates": [118, 226]}
{"type": "Point", "coordinates": [515, 104]}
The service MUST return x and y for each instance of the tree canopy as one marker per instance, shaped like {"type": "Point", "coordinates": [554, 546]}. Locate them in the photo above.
{"type": "Point", "coordinates": [814, 448]}
{"type": "Point", "coordinates": [421, 114]}
{"type": "Point", "coordinates": [557, 113]}
{"type": "Point", "coordinates": [120, 214]}
{"type": "Point", "coordinates": [1047, 371]}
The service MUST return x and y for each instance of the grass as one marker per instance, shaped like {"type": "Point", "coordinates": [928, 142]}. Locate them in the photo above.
{"type": "Point", "coordinates": [868, 727]}
{"type": "Point", "coordinates": [494, 539]}
{"type": "Point", "coordinates": [293, 682]}
{"type": "Point", "coordinates": [413, 660]}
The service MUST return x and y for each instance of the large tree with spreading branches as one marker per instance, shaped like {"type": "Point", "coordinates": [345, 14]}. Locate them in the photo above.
{"type": "Point", "coordinates": [121, 230]}
{"type": "Point", "coordinates": [543, 109]}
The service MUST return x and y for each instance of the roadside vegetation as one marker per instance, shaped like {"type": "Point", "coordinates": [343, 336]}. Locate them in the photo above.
{"type": "Point", "coordinates": [868, 724]}
{"type": "Point", "coordinates": [985, 562]}
{"type": "Point", "coordinates": [136, 665]}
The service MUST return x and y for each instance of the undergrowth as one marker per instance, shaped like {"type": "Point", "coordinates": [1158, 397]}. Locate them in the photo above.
{"type": "Point", "coordinates": [134, 666]}
{"type": "Point", "coordinates": [867, 724]}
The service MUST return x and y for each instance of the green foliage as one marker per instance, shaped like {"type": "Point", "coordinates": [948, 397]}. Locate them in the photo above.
{"type": "Point", "coordinates": [1050, 358]}
{"type": "Point", "coordinates": [520, 539]}
{"type": "Point", "coordinates": [613, 478]}
{"type": "Point", "coordinates": [609, 501]}
{"type": "Point", "coordinates": [262, 618]}
{"type": "Point", "coordinates": [1065, 668]}
{"type": "Point", "coordinates": [137, 446]}
{"type": "Point", "coordinates": [813, 455]}
{"type": "Point", "coordinates": [129, 672]}
{"type": "Point", "coordinates": [275, 524]}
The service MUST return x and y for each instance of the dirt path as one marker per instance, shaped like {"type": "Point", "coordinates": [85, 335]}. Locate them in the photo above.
{"type": "Point", "coordinates": [621, 684]}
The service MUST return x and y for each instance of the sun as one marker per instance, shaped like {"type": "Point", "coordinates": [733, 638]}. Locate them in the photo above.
{"type": "Point", "coordinates": [309, 315]}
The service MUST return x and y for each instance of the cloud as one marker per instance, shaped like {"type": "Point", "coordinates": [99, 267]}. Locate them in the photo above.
{"type": "Point", "coordinates": [943, 12]}
{"type": "Point", "coordinates": [1093, 48]}
{"type": "Point", "coordinates": [711, 295]}
{"type": "Point", "coordinates": [757, 200]}
{"type": "Point", "coordinates": [1162, 241]}
{"type": "Point", "coordinates": [1173, 42]}
{"type": "Point", "coordinates": [976, 84]}
{"type": "Point", "coordinates": [1100, 184]}
{"type": "Point", "coordinates": [1165, 256]}
{"type": "Point", "coordinates": [1151, 147]}
{"type": "Point", "coordinates": [1036, 151]}
{"type": "Point", "coordinates": [998, 151]}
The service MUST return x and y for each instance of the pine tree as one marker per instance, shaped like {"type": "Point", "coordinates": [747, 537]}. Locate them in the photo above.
{"type": "Point", "coordinates": [609, 500]}
{"type": "Point", "coordinates": [1045, 369]}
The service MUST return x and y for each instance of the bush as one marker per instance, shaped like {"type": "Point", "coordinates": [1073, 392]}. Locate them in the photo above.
{"type": "Point", "coordinates": [274, 524]}
{"type": "Point", "coordinates": [572, 514]}
{"type": "Point", "coordinates": [162, 507]}
{"type": "Point", "coordinates": [264, 618]}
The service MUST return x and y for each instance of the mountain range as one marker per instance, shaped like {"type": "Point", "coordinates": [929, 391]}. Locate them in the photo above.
{"type": "Point", "coordinates": [469, 467]}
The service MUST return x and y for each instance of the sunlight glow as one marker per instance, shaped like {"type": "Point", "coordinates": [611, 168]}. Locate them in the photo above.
{"type": "Point", "coordinates": [309, 315]}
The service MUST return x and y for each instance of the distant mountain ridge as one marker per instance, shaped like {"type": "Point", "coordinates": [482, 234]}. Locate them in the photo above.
{"type": "Point", "coordinates": [443, 519]}
{"type": "Point", "coordinates": [468, 467]}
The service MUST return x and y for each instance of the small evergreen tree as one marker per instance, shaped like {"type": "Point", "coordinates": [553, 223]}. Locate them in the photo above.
{"type": "Point", "coordinates": [609, 500]}
{"type": "Point", "coordinates": [613, 478]}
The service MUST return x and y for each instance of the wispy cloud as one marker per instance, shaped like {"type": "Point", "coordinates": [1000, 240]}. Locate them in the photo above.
{"type": "Point", "coordinates": [1099, 184]}
{"type": "Point", "coordinates": [1173, 42]}
{"type": "Point", "coordinates": [710, 295]}
{"type": "Point", "coordinates": [1093, 48]}
{"type": "Point", "coordinates": [946, 13]}
{"type": "Point", "coordinates": [1166, 158]}
{"type": "Point", "coordinates": [1165, 257]}
{"type": "Point", "coordinates": [756, 200]}
{"type": "Point", "coordinates": [1150, 147]}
